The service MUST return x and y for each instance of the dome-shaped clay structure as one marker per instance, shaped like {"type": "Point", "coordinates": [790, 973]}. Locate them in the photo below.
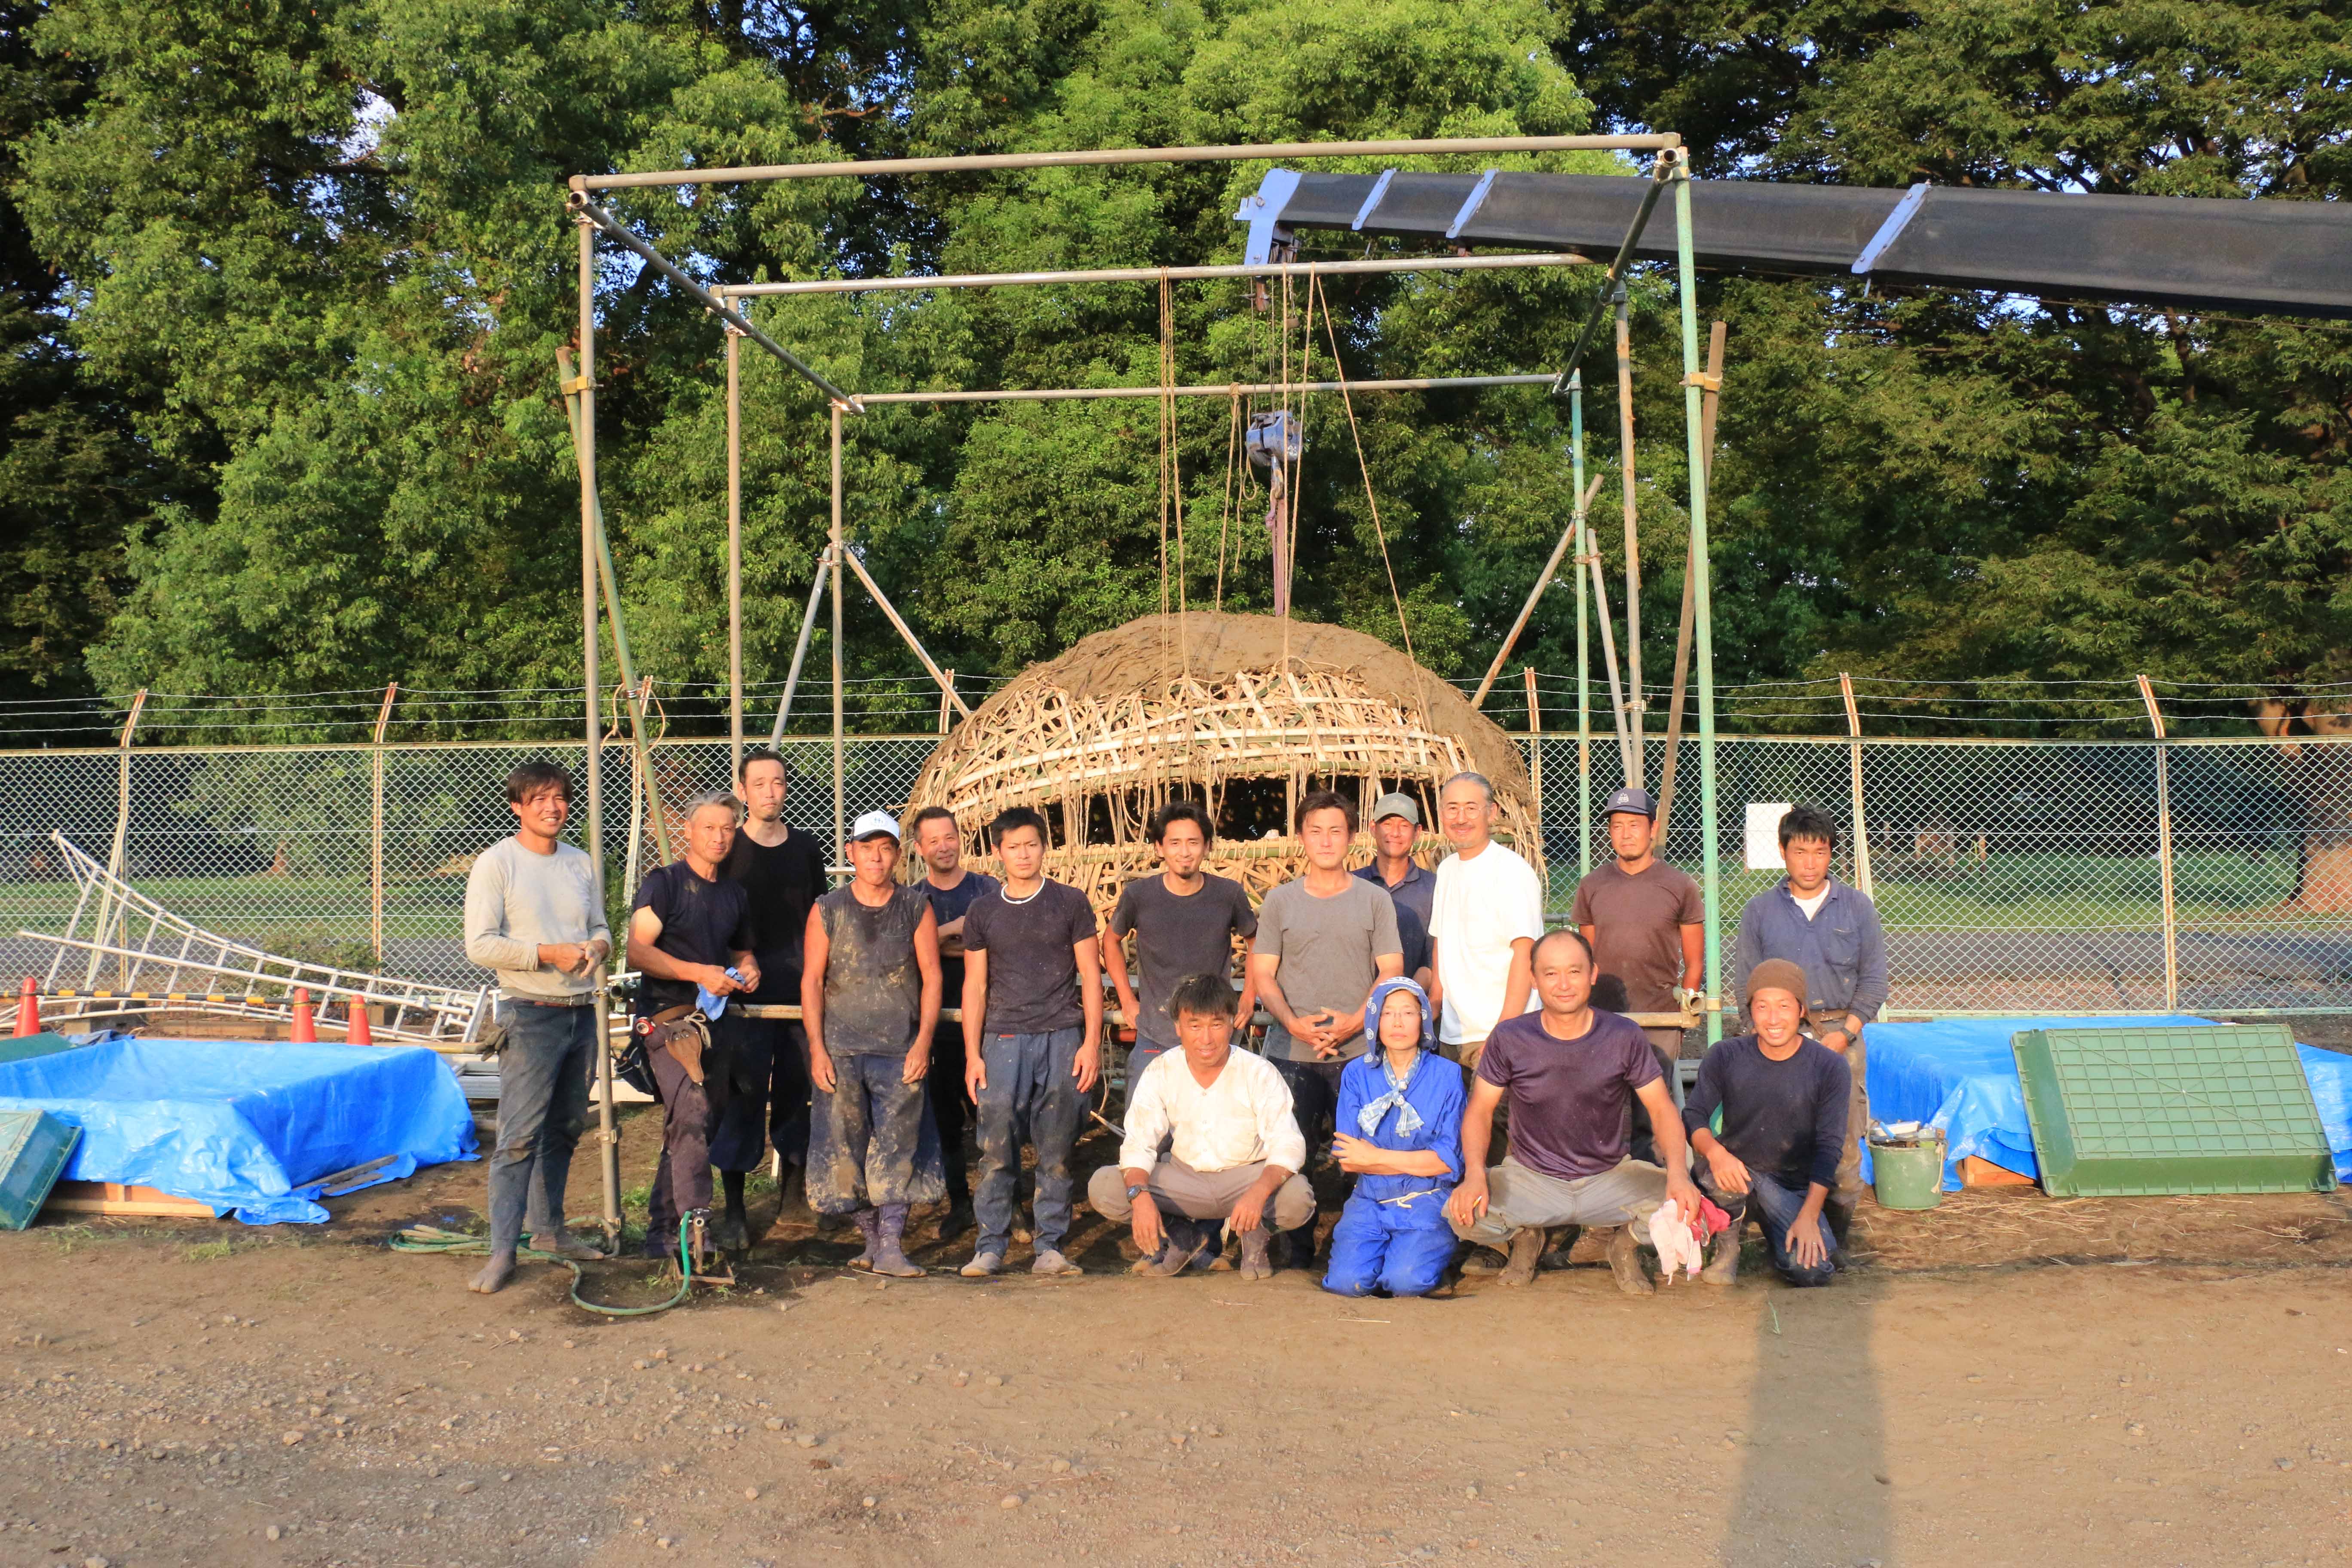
{"type": "Point", "coordinates": [1243, 714]}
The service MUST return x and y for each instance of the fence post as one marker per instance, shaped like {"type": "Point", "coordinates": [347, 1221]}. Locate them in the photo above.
{"type": "Point", "coordinates": [946, 688]}
{"type": "Point", "coordinates": [1861, 821]}
{"type": "Point", "coordinates": [1535, 753]}
{"type": "Point", "coordinates": [375, 829]}
{"type": "Point", "coordinates": [2164, 846]}
{"type": "Point", "coordinates": [109, 913]}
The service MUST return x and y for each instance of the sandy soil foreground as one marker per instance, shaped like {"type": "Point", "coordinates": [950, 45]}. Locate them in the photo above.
{"type": "Point", "coordinates": [218, 1395]}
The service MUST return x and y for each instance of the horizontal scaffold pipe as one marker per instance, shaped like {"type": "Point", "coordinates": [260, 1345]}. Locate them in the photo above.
{"type": "Point", "coordinates": [1233, 389]}
{"type": "Point", "coordinates": [1155, 274]}
{"type": "Point", "coordinates": [867, 167]}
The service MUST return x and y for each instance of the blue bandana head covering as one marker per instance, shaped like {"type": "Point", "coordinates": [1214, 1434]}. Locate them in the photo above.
{"type": "Point", "coordinates": [1367, 1121]}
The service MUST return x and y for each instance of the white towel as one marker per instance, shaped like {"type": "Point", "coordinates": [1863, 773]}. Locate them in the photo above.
{"type": "Point", "coordinates": [1676, 1236]}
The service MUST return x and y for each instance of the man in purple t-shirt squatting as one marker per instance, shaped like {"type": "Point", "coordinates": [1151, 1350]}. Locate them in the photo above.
{"type": "Point", "coordinates": [1572, 1074]}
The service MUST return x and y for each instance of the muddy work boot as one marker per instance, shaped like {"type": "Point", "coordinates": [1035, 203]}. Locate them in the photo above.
{"type": "Point", "coordinates": [1723, 1256]}
{"type": "Point", "coordinates": [1180, 1244]}
{"type": "Point", "coordinates": [1526, 1247]}
{"type": "Point", "coordinates": [1626, 1263]}
{"type": "Point", "coordinates": [731, 1233]}
{"type": "Point", "coordinates": [1255, 1263]}
{"type": "Point", "coordinates": [885, 1253]}
{"type": "Point", "coordinates": [1484, 1260]}
{"type": "Point", "coordinates": [869, 1226]}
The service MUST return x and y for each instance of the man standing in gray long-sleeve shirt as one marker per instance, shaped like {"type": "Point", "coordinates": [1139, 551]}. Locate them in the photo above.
{"type": "Point", "coordinates": [1830, 931]}
{"type": "Point", "coordinates": [532, 915]}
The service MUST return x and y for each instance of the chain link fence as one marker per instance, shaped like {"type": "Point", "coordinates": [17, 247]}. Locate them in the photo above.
{"type": "Point", "coordinates": [2012, 877]}
{"type": "Point", "coordinates": [2029, 877]}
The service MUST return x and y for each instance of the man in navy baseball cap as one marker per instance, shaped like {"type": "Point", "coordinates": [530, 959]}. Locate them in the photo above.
{"type": "Point", "coordinates": [1635, 802]}
{"type": "Point", "coordinates": [1646, 922]}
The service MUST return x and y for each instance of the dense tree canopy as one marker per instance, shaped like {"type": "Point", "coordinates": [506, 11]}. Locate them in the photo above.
{"type": "Point", "coordinates": [282, 287]}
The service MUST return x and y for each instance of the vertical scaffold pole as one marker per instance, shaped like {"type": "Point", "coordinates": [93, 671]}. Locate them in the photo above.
{"type": "Point", "coordinates": [734, 557]}
{"type": "Point", "coordinates": [375, 828]}
{"type": "Point", "coordinates": [593, 837]}
{"type": "Point", "coordinates": [1583, 634]}
{"type": "Point", "coordinates": [2164, 848]}
{"type": "Point", "coordinates": [1703, 607]}
{"type": "Point", "coordinates": [1535, 756]}
{"type": "Point", "coordinates": [840, 769]}
{"type": "Point", "coordinates": [1636, 704]}
{"type": "Point", "coordinates": [1862, 878]}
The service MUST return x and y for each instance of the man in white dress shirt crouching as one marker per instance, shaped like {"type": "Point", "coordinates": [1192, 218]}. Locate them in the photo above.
{"type": "Point", "coordinates": [1234, 1152]}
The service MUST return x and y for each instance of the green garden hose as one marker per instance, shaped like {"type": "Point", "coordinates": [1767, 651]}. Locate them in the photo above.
{"type": "Point", "coordinates": [434, 1239]}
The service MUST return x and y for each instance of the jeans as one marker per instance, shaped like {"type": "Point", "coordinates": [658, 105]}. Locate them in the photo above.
{"type": "Point", "coordinates": [788, 1086]}
{"type": "Point", "coordinates": [870, 1142]}
{"type": "Point", "coordinates": [739, 1132]}
{"type": "Point", "coordinates": [1848, 1191]}
{"type": "Point", "coordinates": [1142, 1055]}
{"type": "Point", "coordinates": [1775, 1203]}
{"type": "Point", "coordinates": [1314, 1105]}
{"type": "Point", "coordinates": [543, 1110]}
{"type": "Point", "coordinates": [950, 1112]}
{"type": "Point", "coordinates": [1032, 1096]}
{"type": "Point", "coordinates": [1664, 1045]}
{"type": "Point", "coordinates": [692, 1114]}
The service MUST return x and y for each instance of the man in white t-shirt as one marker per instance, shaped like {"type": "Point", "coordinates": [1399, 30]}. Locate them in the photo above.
{"type": "Point", "coordinates": [1484, 920]}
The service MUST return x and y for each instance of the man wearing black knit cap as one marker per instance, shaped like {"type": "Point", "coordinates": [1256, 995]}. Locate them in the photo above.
{"type": "Point", "coordinates": [1783, 1099]}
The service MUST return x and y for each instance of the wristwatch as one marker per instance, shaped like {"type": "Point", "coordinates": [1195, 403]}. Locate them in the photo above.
{"type": "Point", "coordinates": [1134, 1191]}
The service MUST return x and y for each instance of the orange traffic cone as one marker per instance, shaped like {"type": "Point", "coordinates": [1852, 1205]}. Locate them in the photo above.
{"type": "Point", "coordinates": [29, 1008]}
{"type": "Point", "coordinates": [306, 1028]}
{"type": "Point", "coordinates": [355, 1028]}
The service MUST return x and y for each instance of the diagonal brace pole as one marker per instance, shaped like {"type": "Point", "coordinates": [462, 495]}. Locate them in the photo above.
{"type": "Point", "coordinates": [620, 233]}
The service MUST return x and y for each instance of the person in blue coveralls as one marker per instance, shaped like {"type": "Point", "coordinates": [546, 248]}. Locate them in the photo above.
{"type": "Point", "coordinates": [1400, 1133]}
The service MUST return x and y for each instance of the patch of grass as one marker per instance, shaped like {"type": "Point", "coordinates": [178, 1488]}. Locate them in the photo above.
{"type": "Point", "coordinates": [208, 1251]}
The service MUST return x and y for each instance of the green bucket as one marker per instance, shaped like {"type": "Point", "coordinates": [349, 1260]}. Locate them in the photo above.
{"type": "Point", "coordinates": [1908, 1173]}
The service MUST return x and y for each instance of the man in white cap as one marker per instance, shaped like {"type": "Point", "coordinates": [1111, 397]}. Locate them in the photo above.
{"type": "Point", "coordinates": [870, 999]}
{"type": "Point", "coordinates": [1396, 828]}
{"type": "Point", "coordinates": [1486, 915]}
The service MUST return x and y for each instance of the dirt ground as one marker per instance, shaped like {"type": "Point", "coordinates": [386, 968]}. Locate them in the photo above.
{"type": "Point", "coordinates": [2003, 1380]}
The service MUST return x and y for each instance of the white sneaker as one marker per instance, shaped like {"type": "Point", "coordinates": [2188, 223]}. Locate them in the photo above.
{"type": "Point", "coordinates": [982, 1265]}
{"type": "Point", "coordinates": [1051, 1261]}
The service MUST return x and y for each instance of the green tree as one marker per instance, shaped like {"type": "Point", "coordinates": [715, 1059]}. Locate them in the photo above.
{"type": "Point", "coordinates": [73, 477]}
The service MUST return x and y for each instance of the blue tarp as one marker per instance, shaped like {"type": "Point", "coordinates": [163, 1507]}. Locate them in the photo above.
{"type": "Point", "coordinates": [247, 1125]}
{"type": "Point", "coordinates": [1961, 1074]}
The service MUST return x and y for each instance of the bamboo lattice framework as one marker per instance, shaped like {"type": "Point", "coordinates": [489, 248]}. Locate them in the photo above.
{"type": "Point", "coordinates": [1245, 714]}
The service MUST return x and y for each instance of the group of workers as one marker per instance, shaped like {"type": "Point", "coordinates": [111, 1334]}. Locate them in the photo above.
{"type": "Point", "coordinates": [1473, 1072]}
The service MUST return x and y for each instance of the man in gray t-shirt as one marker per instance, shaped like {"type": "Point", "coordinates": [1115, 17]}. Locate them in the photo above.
{"type": "Point", "coordinates": [1322, 944]}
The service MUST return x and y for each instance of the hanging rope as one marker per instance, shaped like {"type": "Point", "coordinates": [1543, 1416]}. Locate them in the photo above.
{"type": "Point", "coordinates": [1172, 477]}
{"type": "Point", "coordinates": [1339, 374]}
{"type": "Point", "coordinates": [1225, 513]}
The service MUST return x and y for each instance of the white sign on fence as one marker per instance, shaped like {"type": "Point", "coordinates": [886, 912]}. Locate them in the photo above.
{"type": "Point", "coordinates": [1764, 834]}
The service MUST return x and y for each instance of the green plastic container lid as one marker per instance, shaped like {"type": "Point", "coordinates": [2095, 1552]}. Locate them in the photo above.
{"type": "Point", "coordinates": [34, 1147]}
{"type": "Point", "coordinates": [2137, 1112]}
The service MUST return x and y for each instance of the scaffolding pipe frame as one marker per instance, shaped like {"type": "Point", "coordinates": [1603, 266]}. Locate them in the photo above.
{"type": "Point", "coordinates": [1671, 167]}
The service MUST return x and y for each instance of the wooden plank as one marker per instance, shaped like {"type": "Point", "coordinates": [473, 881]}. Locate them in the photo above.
{"type": "Point", "coordinates": [1981, 1172]}
{"type": "Point", "coordinates": [121, 1198]}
